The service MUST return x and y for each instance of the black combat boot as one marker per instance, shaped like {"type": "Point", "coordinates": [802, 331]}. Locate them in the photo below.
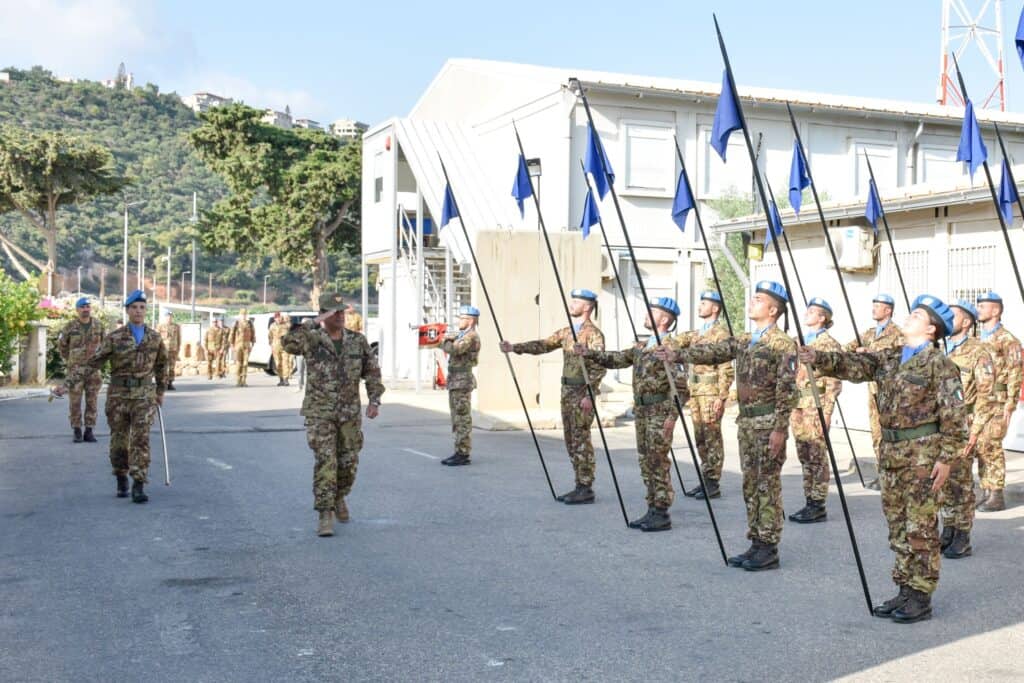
{"type": "Point", "coordinates": [122, 486]}
{"type": "Point", "coordinates": [77, 438]}
{"type": "Point", "coordinates": [581, 496]}
{"type": "Point", "coordinates": [561, 497]}
{"type": "Point", "coordinates": [765, 557]}
{"type": "Point", "coordinates": [448, 460]}
{"type": "Point", "coordinates": [814, 511]}
{"type": "Point", "coordinates": [138, 495]}
{"type": "Point", "coordinates": [658, 521]}
{"type": "Point", "coordinates": [713, 490]}
{"type": "Point", "coordinates": [639, 522]}
{"type": "Point", "coordinates": [171, 387]}
{"type": "Point", "coordinates": [982, 497]}
{"type": "Point", "coordinates": [88, 436]}
{"type": "Point", "coordinates": [960, 546]}
{"type": "Point", "coordinates": [738, 560]}
{"type": "Point", "coordinates": [994, 502]}
{"type": "Point", "coordinates": [873, 485]}
{"type": "Point", "coordinates": [946, 538]}
{"type": "Point", "coordinates": [917, 607]}
{"type": "Point", "coordinates": [693, 492]}
{"type": "Point", "coordinates": [459, 459]}
{"type": "Point", "coordinates": [886, 609]}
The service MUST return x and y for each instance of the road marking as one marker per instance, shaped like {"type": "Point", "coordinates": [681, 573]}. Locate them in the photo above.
{"type": "Point", "coordinates": [219, 464]}
{"type": "Point", "coordinates": [425, 455]}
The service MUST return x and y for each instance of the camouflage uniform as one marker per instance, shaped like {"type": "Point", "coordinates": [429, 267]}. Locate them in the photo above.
{"type": "Point", "coordinates": [1005, 350]}
{"type": "Point", "coordinates": [891, 337]}
{"type": "Point", "coordinates": [707, 384]}
{"type": "Point", "coordinates": [137, 377]}
{"type": "Point", "coordinates": [171, 333]}
{"type": "Point", "coordinates": [283, 361]}
{"type": "Point", "coordinates": [332, 405]}
{"type": "Point", "coordinates": [766, 388]}
{"type": "Point", "coordinates": [977, 375]}
{"type": "Point", "coordinates": [77, 343]}
{"type": "Point", "coordinates": [810, 441]}
{"type": "Point", "coordinates": [576, 423]}
{"type": "Point", "coordinates": [463, 354]}
{"type": "Point", "coordinates": [215, 343]}
{"type": "Point", "coordinates": [924, 421]}
{"type": "Point", "coordinates": [653, 405]}
{"type": "Point", "coordinates": [243, 334]}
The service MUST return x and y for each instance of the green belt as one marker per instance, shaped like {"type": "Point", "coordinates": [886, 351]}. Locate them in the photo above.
{"type": "Point", "coordinates": [970, 408]}
{"type": "Point", "coordinates": [703, 379]}
{"type": "Point", "coordinates": [1001, 387]}
{"type": "Point", "coordinates": [573, 382]}
{"type": "Point", "coordinates": [455, 369]}
{"type": "Point", "coordinates": [894, 435]}
{"type": "Point", "coordinates": [808, 393]}
{"type": "Point", "coordinates": [757, 410]}
{"type": "Point", "coordinates": [651, 399]}
{"type": "Point", "coordinates": [127, 382]}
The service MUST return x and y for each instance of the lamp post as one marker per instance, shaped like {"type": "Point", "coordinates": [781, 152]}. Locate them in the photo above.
{"type": "Point", "coordinates": [124, 260]}
{"type": "Point", "coordinates": [195, 219]}
{"type": "Point", "coordinates": [265, 289]}
{"type": "Point", "coordinates": [79, 281]}
{"type": "Point", "coordinates": [182, 286]}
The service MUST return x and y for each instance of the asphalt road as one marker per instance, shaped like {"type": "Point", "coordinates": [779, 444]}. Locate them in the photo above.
{"type": "Point", "coordinates": [444, 574]}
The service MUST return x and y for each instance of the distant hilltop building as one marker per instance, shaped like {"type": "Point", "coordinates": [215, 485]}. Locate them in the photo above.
{"type": "Point", "coordinates": [204, 101]}
{"type": "Point", "coordinates": [281, 119]}
{"type": "Point", "coordinates": [309, 124]}
{"type": "Point", "coordinates": [123, 80]}
{"type": "Point", "coordinates": [348, 129]}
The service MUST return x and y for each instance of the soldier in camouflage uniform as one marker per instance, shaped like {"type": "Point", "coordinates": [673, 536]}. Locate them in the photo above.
{"type": "Point", "coordinates": [655, 410]}
{"type": "Point", "coordinates": [463, 351]}
{"type": "Point", "coordinates": [977, 375]}
{"type": "Point", "coordinates": [353, 321]}
{"type": "Point", "coordinates": [806, 426]}
{"type": "Point", "coordinates": [924, 431]}
{"type": "Point", "coordinates": [78, 342]}
{"type": "Point", "coordinates": [282, 359]}
{"type": "Point", "coordinates": [336, 359]}
{"type": "Point", "coordinates": [884, 335]}
{"type": "Point", "coordinates": [171, 332]}
{"type": "Point", "coordinates": [138, 372]}
{"type": "Point", "coordinates": [766, 388]}
{"type": "Point", "coordinates": [709, 390]}
{"type": "Point", "coordinates": [215, 343]}
{"type": "Point", "coordinates": [243, 336]}
{"type": "Point", "coordinates": [1005, 349]}
{"type": "Point", "coordinates": [577, 409]}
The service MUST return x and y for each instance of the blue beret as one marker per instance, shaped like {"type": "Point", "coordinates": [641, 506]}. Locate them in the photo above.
{"type": "Point", "coordinates": [81, 303]}
{"type": "Point", "coordinates": [884, 299]}
{"type": "Point", "coordinates": [137, 295]}
{"type": "Point", "coordinates": [711, 295]}
{"type": "Point", "coordinates": [470, 310]}
{"type": "Point", "coordinates": [935, 305]}
{"type": "Point", "coordinates": [584, 294]}
{"type": "Point", "coordinates": [772, 289]}
{"type": "Point", "coordinates": [667, 304]}
{"type": "Point", "coordinates": [991, 297]}
{"type": "Point", "coordinates": [820, 303]}
{"type": "Point", "coordinates": [967, 307]}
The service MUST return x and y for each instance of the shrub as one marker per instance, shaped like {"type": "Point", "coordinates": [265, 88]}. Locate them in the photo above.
{"type": "Point", "coordinates": [19, 305]}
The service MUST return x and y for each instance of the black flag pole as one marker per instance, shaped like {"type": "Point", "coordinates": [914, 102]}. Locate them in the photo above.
{"type": "Point", "coordinates": [796, 319]}
{"type": "Point", "coordinates": [625, 302]}
{"type": "Point", "coordinates": [888, 232]}
{"type": "Point", "coordinates": [1009, 170]}
{"type": "Point", "coordinates": [647, 306]}
{"type": "Point", "coordinates": [497, 327]}
{"type": "Point", "coordinates": [575, 338]}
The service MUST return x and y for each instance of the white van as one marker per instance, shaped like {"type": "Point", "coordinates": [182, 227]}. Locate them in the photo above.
{"type": "Point", "coordinates": [261, 355]}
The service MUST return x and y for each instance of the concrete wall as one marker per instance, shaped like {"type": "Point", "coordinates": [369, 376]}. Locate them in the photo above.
{"type": "Point", "coordinates": [378, 218]}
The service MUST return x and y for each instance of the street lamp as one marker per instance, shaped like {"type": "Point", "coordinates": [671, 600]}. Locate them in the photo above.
{"type": "Point", "coordinates": [182, 287]}
{"type": "Point", "coordinates": [265, 289]}
{"type": "Point", "coordinates": [79, 281]}
{"type": "Point", "coordinates": [124, 260]}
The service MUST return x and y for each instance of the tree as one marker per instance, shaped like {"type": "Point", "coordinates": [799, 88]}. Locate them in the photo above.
{"type": "Point", "coordinates": [294, 194]}
{"type": "Point", "coordinates": [42, 172]}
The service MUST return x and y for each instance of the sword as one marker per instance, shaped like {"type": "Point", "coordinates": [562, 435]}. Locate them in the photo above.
{"type": "Point", "coordinates": [163, 439]}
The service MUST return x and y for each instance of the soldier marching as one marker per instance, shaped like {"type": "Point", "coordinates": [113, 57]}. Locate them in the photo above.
{"type": "Point", "coordinates": [78, 342]}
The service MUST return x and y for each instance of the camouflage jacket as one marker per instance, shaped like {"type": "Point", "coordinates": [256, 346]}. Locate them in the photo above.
{"type": "Point", "coordinates": [707, 380]}
{"type": "Point", "coordinates": [277, 332]}
{"type": "Point", "coordinates": [891, 338]}
{"type": "Point", "coordinates": [649, 379]}
{"type": "Point", "coordinates": [332, 379]}
{"type": "Point", "coordinates": [242, 334]}
{"type": "Point", "coordinates": [589, 335]}
{"type": "Point", "coordinates": [79, 342]}
{"type": "Point", "coordinates": [215, 338]}
{"type": "Point", "coordinates": [463, 355]}
{"type": "Point", "coordinates": [977, 375]}
{"type": "Point", "coordinates": [1006, 355]}
{"type": "Point", "coordinates": [924, 390]}
{"type": "Point", "coordinates": [146, 361]}
{"type": "Point", "coordinates": [828, 387]}
{"type": "Point", "coordinates": [172, 336]}
{"type": "Point", "coordinates": [765, 374]}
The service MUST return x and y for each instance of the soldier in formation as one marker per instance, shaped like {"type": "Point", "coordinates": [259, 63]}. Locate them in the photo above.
{"type": "Point", "coordinates": [171, 332]}
{"type": "Point", "coordinates": [78, 342]}
{"type": "Point", "coordinates": [336, 360]}
{"type": "Point", "coordinates": [577, 374]}
{"type": "Point", "coordinates": [216, 343]}
{"type": "Point", "coordinates": [282, 359]}
{"type": "Point", "coordinates": [463, 349]}
{"type": "Point", "coordinates": [243, 336]}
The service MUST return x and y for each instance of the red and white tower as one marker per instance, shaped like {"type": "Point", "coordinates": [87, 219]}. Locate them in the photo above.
{"type": "Point", "coordinates": [977, 25]}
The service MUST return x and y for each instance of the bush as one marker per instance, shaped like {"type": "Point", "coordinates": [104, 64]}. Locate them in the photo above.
{"type": "Point", "coordinates": [245, 295]}
{"type": "Point", "coordinates": [19, 305]}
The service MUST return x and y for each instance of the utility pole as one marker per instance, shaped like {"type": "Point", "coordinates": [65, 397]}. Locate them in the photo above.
{"type": "Point", "coordinates": [170, 294]}
{"type": "Point", "coordinates": [195, 219]}
{"type": "Point", "coordinates": [79, 281]}
{"type": "Point", "coordinates": [265, 289]}
{"type": "Point", "coordinates": [103, 283]}
{"type": "Point", "coordinates": [209, 289]}
{"type": "Point", "coordinates": [124, 261]}
{"type": "Point", "coordinates": [182, 287]}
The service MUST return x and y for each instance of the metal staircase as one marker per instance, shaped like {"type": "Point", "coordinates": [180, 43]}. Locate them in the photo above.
{"type": "Point", "coordinates": [435, 279]}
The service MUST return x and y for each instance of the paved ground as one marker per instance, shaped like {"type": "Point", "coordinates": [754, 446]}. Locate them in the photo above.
{"type": "Point", "coordinates": [443, 574]}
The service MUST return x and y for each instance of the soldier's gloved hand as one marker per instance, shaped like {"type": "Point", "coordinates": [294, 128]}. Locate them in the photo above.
{"type": "Point", "coordinates": [372, 410]}
{"type": "Point", "coordinates": [505, 346]}
{"type": "Point", "coordinates": [59, 390]}
{"type": "Point", "coordinates": [586, 405]}
{"type": "Point", "coordinates": [939, 475]}
{"type": "Point", "coordinates": [807, 355]}
{"type": "Point", "coordinates": [579, 349]}
{"type": "Point", "coordinates": [664, 353]}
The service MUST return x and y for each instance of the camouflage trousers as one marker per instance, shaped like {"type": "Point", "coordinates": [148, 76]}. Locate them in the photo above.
{"type": "Point", "coordinates": [911, 510]}
{"type": "Point", "coordinates": [762, 482]}
{"type": "Point", "coordinates": [876, 426]}
{"type": "Point", "coordinates": [958, 495]}
{"type": "Point", "coordinates": [576, 428]}
{"type": "Point", "coordinates": [90, 391]}
{"type": "Point", "coordinates": [810, 448]}
{"type": "Point", "coordinates": [130, 421]}
{"type": "Point", "coordinates": [284, 364]}
{"type": "Point", "coordinates": [172, 365]}
{"type": "Point", "coordinates": [336, 445]}
{"type": "Point", "coordinates": [214, 363]}
{"type": "Point", "coordinates": [460, 406]}
{"type": "Point", "coordinates": [652, 448]}
{"type": "Point", "coordinates": [242, 366]}
{"type": "Point", "coordinates": [991, 457]}
{"type": "Point", "coordinates": [707, 433]}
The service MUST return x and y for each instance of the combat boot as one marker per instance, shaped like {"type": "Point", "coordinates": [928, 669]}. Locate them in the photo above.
{"type": "Point", "coordinates": [917, 607]}
{"type": "Point", "coordinates": [659, 521]}
{"type": "Point", "coordinates": [886, 609]}
{"type": "Point", "coordinates": [738, 560]}
{"type": "Point", "coordinates": [448, 460]}
{"type": "Point", "coordinates": [88, 436]}
{"type": "Point", "coordinates": [693, 492]}
{"type": "Point", "coordinates": [873, 485]}
{"type": "Point", "coordinates": [814, 511]}
{"type": "Point", "coordinates": [581, 496]}
{"type": "Point", "coordinates": [994, 502]}
{"type": "Point", "coordinates": [122, 486]}
{"type": "Point", "coordinates": [138, 494]}
{"type": "Point", "coordinates": [459, 459]}
{"type": "Point", "coordinates": [326, 525]}
{"type": "Point", "coordinates": [636, 523]}
{"type": "Point", "coordinates": [713, 490]}
{"type": "Point", "coordinates": [77, 438]}
{"type": "Point", "coordinates": [341, 511]}
{"type": "Point", "coordinates": [982, 497]}
{"type": "Point", "coordinates": [765, 557]}
{"type": "Point", "coordinates": [960, 546]}
{"type": "Point", "coordinates": [561, 497]}
{"type": "Point", "coordinates": [947, 537]}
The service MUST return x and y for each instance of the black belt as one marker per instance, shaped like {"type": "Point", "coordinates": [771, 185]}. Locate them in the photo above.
{"type": "Point", "coordinates": [757, 410]}
{"type": "Point", "coordinates": [455, 369]}
{"type": "Point", "coordinates": [128, 382]}
{"type": "Point", "coordinates": [573, 382]}
{"type": "Point", "coordinates": [895, 435]}
{"type": "Point", "coordinates": [707, 378]}
{"type": "Point", "coordinates": [651, 399]}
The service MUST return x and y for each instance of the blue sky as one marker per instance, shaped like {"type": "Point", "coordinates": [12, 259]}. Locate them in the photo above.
{"type": "Point", "coordinates": [369, 60]}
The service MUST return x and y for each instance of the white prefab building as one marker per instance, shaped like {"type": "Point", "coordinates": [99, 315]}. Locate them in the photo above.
{"type": "Point", "coordinates": [466, 117]}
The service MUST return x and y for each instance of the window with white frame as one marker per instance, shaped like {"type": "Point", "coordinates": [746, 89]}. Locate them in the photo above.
{"type": "Point", "coordinates": [971, 271]}
{"type": "Point", "coordinates": [718, 178]}
{"type": "Point", "coordinates": [938, 164]}
{"type": "Point", "coordinates": [883, 162]}
{"type": "Point", "coordinates": [650, 158]}
{"type": "Point", "coordinates": [913, 267]}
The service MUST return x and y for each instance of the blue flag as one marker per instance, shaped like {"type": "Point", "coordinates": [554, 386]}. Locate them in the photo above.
{"type": "Point", "coordinates": [596, 163]}
{"type": "Point", "coordinates": [873, 209]}
{"type": "Point", "coordinates": [972, 147]}
{"type": "Point", "coordinates": [727, 118]}
{"type": "Point", "coordinates": [683, 201]}
{"type": "Point", "coordinates": [1007, 194]}
{"type": "Point", "coordinates": [522, 189]}
{"type": "Point", "coordinates": [1019, 39]}
{"type": "Point", "coordinates": [798, 178]}
{"type": "Point", "coordinates": [449, 210]}
{"type": "Point", "coordinates": [775, 224]}
{"type": "Point", "coordinates": [590, 214]}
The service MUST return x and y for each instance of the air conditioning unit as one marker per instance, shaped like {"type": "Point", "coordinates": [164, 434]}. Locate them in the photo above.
{"type": "Point", "coordinates": [855, 248]}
